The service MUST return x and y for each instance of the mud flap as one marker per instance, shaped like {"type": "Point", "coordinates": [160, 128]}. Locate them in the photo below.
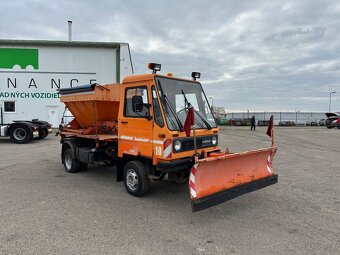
{"type": "Point", "coordinates": [222, 177]}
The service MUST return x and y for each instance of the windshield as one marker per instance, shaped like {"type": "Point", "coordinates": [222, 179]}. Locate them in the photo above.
{"type": "Point", "coordinates": [174, 94]}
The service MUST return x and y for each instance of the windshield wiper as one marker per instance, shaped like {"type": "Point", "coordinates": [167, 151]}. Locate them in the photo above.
{"type": "Point", "coordinates": [197, 112]}
{"type": "Point", "coordinates": [203, 119]}
{"type": "Point", "coordinates": [168, 106]}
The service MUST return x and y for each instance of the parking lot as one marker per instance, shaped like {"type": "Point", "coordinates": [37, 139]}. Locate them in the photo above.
{"type": "Point", "coordinates": [44, 210]}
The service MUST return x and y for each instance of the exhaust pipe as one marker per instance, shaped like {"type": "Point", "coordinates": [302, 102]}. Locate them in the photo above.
{"type": "Point", "coordinates": [69, 30]}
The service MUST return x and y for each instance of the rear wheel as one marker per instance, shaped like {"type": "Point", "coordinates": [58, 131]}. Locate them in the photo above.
{"type": "Point", "coordinates": [21, 134]}
{"type": "Point", "coordinates": [136, 180]}
{"type": "Point", "coordinates": [72, 165]}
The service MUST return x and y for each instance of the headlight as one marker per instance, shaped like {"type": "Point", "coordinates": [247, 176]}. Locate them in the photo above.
{"type": "Point", "coordinates": [177, 145]}
{"type": "Point", "coordinates": [214, 140]}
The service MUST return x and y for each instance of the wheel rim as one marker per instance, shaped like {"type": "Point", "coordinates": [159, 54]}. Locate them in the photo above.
{"type": "Point", "coordinates": [132, 179]}
{"type": "Point", "coordinates": [68, 161]}
{"type": "Point", "coordinates": [19, 134]}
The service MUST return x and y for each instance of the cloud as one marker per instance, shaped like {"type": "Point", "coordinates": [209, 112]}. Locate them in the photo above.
{"type": "Point", "coordinates": [252, 54]}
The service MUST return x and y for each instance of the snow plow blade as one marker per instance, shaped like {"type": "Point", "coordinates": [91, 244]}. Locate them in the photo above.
{"type": "Point", "coordinates": [222, 177]}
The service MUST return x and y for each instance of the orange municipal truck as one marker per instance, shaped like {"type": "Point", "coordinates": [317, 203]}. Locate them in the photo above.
{"type": "Point", "coordinates": [138, 125]}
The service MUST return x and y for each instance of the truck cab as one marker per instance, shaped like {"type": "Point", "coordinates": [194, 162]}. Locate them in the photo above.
{"type": "Point", "coordinates": [151, 120]}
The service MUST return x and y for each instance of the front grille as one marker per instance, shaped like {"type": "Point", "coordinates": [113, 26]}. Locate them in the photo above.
{"type": "Point", "coordinates": [202, 142]}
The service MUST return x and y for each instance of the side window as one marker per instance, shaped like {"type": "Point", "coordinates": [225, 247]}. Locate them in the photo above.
{"type": "Point", "coordinates": [137, 96]}
{"type": "Point", "coordinates": [9, 106]}
{"type": "Point", "coordinates": [156, 109]}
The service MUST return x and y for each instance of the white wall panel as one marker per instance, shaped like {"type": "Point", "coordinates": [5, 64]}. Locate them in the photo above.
{"type": "Point", "coordinates": [35, 93]}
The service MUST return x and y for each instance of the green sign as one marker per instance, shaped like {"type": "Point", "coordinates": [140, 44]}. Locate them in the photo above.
{"type": "Point", "coordinates": [9, 57]}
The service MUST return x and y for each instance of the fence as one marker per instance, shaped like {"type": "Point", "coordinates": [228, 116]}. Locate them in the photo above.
{"type": "Point", "coordinates": [298, 118]}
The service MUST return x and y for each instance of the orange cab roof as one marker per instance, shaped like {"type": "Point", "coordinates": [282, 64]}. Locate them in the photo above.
{"type": "Point", "coordinates": [138, 77]}
{"type": "Point", "coordinates": [145, 77]}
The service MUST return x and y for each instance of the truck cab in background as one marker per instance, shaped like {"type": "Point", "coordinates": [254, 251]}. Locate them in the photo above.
{"type": "Point", "coordinates": [21, 131]}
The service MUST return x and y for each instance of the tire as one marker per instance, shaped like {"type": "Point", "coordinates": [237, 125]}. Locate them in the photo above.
{"type": "Point", "coordinates": [21, 134]}
{"type": "Point", "coordinates": [43, 133]}
{"type": "Point", "coordinates": [72, 165]}
{"type": "Point", "coordinates": [83, 166]}
{"type": "Point", "coordinates": [136, 179]}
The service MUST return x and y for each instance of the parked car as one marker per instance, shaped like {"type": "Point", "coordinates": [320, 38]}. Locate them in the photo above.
{"type": "Point", "coordinates": [287, 123]}
{"type": "Point", "coordinates": [330, 118]}
{"type": "Point", "coordinates": [263, 123]}
{"type": "Point", "coordinates": [335, 123]}
{"type": "Point", "coordinates": [311, 122]}
{"type": "Point", "coordinates": [222, 121]}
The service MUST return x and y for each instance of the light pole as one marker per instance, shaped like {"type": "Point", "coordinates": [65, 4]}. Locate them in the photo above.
{"type": "Point", "coordinates": [212, 101]}
{"type": "Point", "coordinates": [330, 100]}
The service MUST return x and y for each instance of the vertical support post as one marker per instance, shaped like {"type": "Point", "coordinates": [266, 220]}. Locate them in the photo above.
{"type": "Point", "coordinates": [195, 142]}
{"type": "Point", "coordinates": [280, 116]}
{"type": "Point", "coordinates": [2, 116]}
{"type": "Point", "coordinates": [273, 136]}
{"type": "Point", "coordinates": [296, 117]}
{"type": "Point", "coordinates": [118, 64]}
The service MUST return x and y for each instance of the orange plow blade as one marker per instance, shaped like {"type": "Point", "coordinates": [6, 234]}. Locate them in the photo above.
{"type": "Point", "coordinates": [222, 177]}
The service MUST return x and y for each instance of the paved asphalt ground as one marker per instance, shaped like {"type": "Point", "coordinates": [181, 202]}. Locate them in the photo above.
{"type": "Point", "coordinates": [44, 210]}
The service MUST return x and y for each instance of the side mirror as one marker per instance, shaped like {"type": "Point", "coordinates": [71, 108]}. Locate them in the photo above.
{"type": "Point", "coordinates": [137, 103]}
{"type": "Point", "coordinates": [138, 106]}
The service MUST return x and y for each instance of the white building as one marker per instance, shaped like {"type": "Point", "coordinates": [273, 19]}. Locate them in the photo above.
{"type": "Point", "coordinates": [32, 71]}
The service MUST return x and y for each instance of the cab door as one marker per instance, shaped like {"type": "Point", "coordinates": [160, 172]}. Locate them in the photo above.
{"type": "Point", "coordinates": [135, 127]}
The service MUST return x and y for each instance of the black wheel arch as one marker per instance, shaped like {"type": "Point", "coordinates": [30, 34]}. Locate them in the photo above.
{"type": "Point", "coordinates": [68, 144]}
{"type": "Point", "coordinates": [16, 124]}
{"type": "Point", "coordinates": [122, 161]}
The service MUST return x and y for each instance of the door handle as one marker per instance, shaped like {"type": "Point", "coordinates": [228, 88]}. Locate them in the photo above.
{"type": "Point", "coordinates": [124, 122]}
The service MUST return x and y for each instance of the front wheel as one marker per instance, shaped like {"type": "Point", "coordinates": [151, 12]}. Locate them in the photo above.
{"type": "Point", "coordinates": [136, 180]}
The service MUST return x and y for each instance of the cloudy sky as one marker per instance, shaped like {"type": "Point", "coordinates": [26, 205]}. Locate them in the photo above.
{"type": "Point", "coordinates": [256, 55]}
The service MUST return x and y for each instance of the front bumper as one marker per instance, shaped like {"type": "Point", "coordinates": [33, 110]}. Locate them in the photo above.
{"type": "Point", "coordinates": [225, 195]}
{"type": "Point", "coordinates": [174, 166]}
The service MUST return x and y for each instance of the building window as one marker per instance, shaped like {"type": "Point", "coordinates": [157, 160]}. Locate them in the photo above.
{"type": "Point", "coordinates": [9, 106]}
